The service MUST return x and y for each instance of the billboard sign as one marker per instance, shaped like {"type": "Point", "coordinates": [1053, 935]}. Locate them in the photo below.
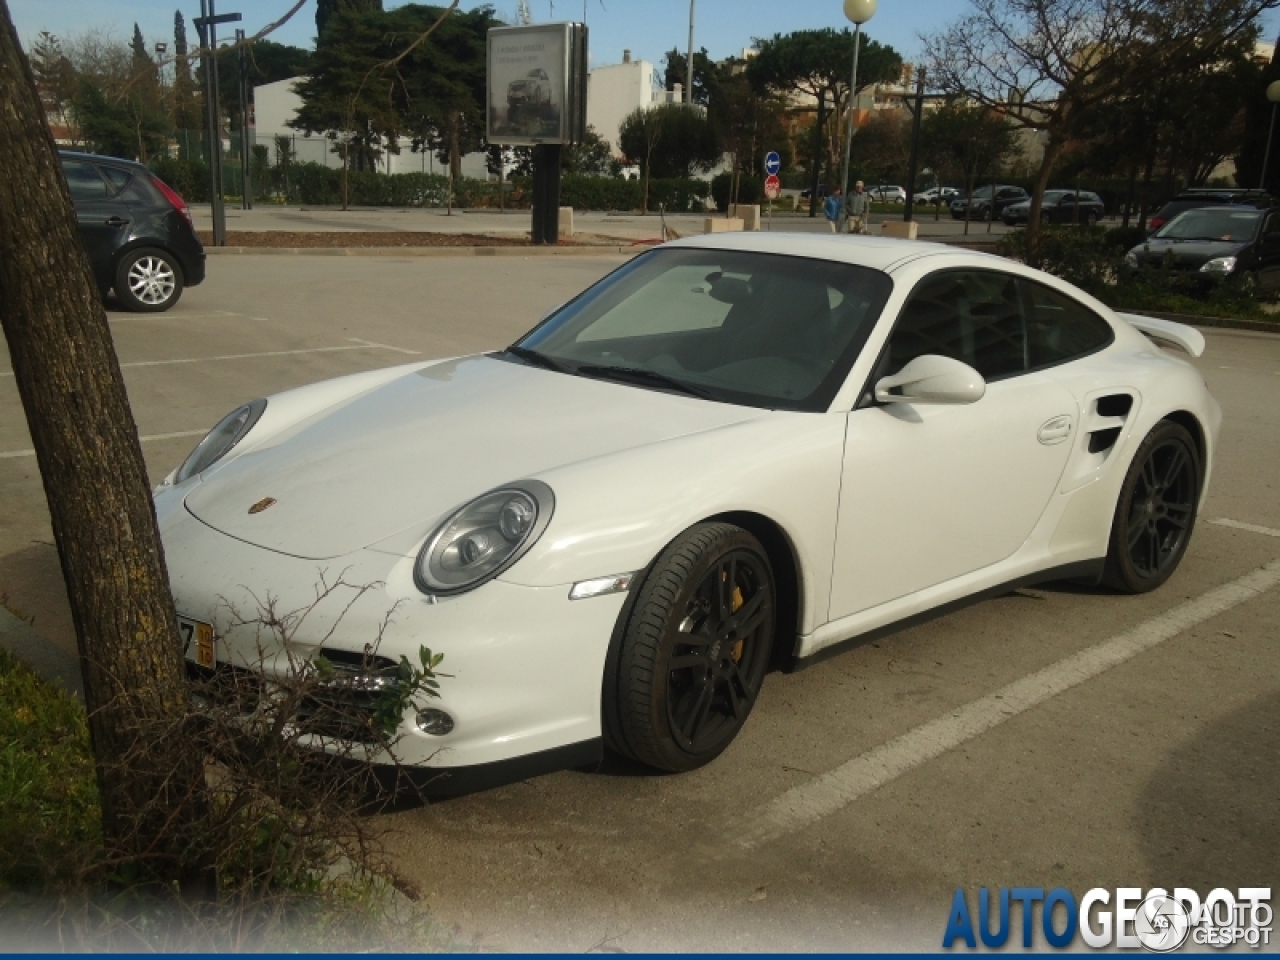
{"type": "Point", "coordinates": [537, 84]}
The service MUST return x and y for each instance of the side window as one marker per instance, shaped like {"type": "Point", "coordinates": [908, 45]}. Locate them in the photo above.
{"type": "Point", "coordinates": [84, 181]}
{"type": "Point", "coordinates": [1059, 328]}
{"type": "Point", "coordinates": [974, 316]}
{"type": "Point", "coordinates": [119, 179]}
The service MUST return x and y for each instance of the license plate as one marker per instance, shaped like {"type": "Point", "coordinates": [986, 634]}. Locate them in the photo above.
{"type": "Point", "coordinates": [197, 641]}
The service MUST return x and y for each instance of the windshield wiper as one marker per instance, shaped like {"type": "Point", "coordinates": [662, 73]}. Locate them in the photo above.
{"type": "Point", "coordinates": [537, 359]}
{"type": "Point", "coordinates": [607, 372]}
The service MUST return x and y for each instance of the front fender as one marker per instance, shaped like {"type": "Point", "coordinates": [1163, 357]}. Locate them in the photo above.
{"type": "Point", "coordinates": [616, 513]}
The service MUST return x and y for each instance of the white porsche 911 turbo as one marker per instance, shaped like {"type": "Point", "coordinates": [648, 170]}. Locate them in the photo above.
{"type": "Point", "coordinates": [733, 453]}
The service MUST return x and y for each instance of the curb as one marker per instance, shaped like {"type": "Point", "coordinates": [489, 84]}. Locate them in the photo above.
{"type": "Point", "coordinates": [43, 656]}
{"type": "Point", "coordinates": [1222, 323]}
{"type": "Point", "coordinates": [391, 251]}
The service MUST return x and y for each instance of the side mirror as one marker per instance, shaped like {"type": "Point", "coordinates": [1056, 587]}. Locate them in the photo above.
{"type": "Point", "coordinates": [932, 379]}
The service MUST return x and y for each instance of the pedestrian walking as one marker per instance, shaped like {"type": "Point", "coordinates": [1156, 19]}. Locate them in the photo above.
{"type": "Point", "coordinates": [831, 210]}
{"type": "Point", "coordinates": [859, 209]}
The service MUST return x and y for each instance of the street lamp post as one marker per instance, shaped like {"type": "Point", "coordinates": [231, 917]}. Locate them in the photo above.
{"type": "Point", "coordinates": [858, 12]}
{"type": "Point", "coordinates": [688, 67]}
{"type": "Point", "coordinates": [1273, 94]}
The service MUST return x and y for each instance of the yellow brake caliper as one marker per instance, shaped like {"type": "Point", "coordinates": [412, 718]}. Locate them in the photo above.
{"type": "Point", "coordinates": [735, 604]}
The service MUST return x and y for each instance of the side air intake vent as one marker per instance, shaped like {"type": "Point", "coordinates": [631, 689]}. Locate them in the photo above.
{"type": "Point", "coordinates": [1116, 405]}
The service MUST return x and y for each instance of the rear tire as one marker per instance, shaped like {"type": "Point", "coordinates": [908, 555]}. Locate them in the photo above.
{"type": "Point", "coordinates": [694, 650]}
{"type": "Point", "coordinates": [148, 281]}
{"type": "Point", "coordinates": [1156, 511]}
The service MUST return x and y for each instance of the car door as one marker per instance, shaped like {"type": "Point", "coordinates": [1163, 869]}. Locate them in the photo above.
{"type": "Point", "coordinates": [102, 217]}
{"type": "Point", "coordinates": [931, 492]}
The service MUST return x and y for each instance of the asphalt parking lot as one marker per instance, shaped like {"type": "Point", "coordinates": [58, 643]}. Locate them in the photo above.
{"type": "Point", "coordinates": [863, 791]}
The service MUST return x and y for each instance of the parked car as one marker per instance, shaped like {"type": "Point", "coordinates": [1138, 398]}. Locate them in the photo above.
{"type": "Point", "coordinates": [883, 194]}
{"type": "Point", "coordinates": [1059, 206]}
{"type": "Point", "coordinates": [1207, 197]}
{"type": "Point", "coordinates": [136, 230]}
{"type": "Point", "coordinates": [642, 510]}
{"type": "Point", "coordinates": [937, 195]}
{"type": "Point", "coordinates": [807, 192]}
{"type": "Point", "coordinates": [984, 207]}
{"type": "Point", "coordinates": [1207, 246]}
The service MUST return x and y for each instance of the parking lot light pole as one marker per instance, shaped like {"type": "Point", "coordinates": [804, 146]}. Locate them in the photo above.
{"type": "Point", "coordinates": [859, 12]}
{"type": "Point", "coordinates": [1273, 94]}
{"type": "Point", "coordinates": [915, 148]}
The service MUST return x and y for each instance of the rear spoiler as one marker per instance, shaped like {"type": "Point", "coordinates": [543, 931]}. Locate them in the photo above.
{"type": "Point", "coordinates": [1166, 331]}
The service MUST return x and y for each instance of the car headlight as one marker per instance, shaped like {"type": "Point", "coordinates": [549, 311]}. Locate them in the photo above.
{"type": "Point", "coordinates": [219, 441]}
{"type": "Point", "coordinates": [480, 540]}
{"type": "Point", "coordinates": [1223, 265]}
{"type": "Point", "coordinates": [1131, 259]}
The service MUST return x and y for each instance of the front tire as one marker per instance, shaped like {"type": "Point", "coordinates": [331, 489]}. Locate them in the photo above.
{"type": "Point", "coordinates": [148, 281]}
{"type": "Point", "coordinates": [1156, 511]}
{"type": "Point", "coordinates": [694, 650]}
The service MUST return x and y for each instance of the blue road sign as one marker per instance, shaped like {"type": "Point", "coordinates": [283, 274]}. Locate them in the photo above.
{"type": "Point", "coordinates": [772, 163]}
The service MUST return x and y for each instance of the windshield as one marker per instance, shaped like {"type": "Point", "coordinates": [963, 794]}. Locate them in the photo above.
{"type": "Point", "coordinates": [982, 192]}
{"type": "Point", "coordinates": [757, 329]}
{"type": "Point", "coordinates": [1231, 226]}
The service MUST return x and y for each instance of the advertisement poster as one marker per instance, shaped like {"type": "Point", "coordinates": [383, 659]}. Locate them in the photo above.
{"type": "Point", "coordinates": [532, 84]}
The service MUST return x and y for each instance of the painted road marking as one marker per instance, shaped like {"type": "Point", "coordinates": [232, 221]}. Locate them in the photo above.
{"type": "Point", "coordinates": [836, 789]}
{"type": "Point", "coordinates": [383, 346]}
{"type": "Point", "coordinates": [357, 345]}
{"type": "Point", "coordinates": [14, 454]}
{"type": "Point", "coordinates": [1251, 527]}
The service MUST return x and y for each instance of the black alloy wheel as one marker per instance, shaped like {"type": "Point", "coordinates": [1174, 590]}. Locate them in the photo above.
{"type": "Point", "coordinates": [695, 650]}
{"type": "Point", "coordinates": [1156, 512]}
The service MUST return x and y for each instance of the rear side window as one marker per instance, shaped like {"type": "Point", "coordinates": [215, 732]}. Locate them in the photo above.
{"type": "Point", "coordinates": [117, 178]}
{"type": "Point", "coordinates": [1059, 328]}
{"type": "Point", "coordinates": [83, 180]}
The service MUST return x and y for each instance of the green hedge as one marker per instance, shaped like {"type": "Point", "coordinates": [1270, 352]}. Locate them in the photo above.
{"type": "Point", "coordinates": [314, 184]}
{"type": "Point", "coordinates": [750, 191]}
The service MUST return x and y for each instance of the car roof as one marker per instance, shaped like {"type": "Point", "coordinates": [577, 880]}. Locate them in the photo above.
{"type": "Point", "coordinates": [878, 253]}
{"type": "Point", "coordinates": [99, 158]}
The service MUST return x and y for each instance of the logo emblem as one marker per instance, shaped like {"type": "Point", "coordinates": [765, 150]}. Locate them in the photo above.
{"type": "Point", "coordinates": [1161, 924]}
{"type": "Point", "coordinates": [263, 504]}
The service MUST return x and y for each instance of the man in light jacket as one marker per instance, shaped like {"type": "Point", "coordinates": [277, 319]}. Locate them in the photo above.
{"type": "Point", "coordinates": [858, 208]}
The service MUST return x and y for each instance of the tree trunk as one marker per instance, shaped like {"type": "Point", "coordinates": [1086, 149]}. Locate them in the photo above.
{"type": "Point", "coordinates": [455, 146]}
{"type": "Point", "coordinates": [95, 480]}
{"type": "Point", "coordinates": [1052, 150]}
{"type": "Point", "coordinates": [815, 179]}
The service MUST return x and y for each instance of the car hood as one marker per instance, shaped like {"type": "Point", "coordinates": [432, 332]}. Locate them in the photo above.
{"type": "Point", "coordinates": [427, 442]}
{"type": "Point", "coordinates": [1186, 254]}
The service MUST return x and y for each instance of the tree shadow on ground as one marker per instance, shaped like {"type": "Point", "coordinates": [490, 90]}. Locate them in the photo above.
{"type": "Point", "coordinates": [1210, 816]}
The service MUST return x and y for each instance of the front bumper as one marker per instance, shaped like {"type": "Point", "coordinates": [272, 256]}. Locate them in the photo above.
{"type": "Point", "coordinates": [524, 666]}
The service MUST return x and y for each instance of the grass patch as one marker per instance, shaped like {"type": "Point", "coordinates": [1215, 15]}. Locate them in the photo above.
{"type": "Point", "coordinates": [50, 825]}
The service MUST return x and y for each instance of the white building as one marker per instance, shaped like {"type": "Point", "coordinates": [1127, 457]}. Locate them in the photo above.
{"type": "Point", "coordinates": [614, 92]}
{"type": "Point", "coordinates": [275, 104]}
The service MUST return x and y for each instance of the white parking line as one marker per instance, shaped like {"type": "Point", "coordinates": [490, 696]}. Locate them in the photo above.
{"type": "Point", "coordinates": [834, 790]}
{"type": "Point", "coordinates": [1251, 527]}
{"type": "Point", "coordinates": [357, 345]}
{"type": "Point", "coordinates": [383, 346]}
{"type": "Point", "coordinates": [14, 454]}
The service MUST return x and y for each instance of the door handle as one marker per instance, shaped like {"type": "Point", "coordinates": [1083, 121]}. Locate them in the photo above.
{"type": "Point", "coordinates": [1055, 430]}
{"type": "Point", "coordinates": [116, 222]}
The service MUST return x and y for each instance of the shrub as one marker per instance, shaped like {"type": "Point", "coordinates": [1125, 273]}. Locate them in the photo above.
{"type": "Point", "coordinates": [750, 190]}
{"type": "Point", "coordinates": [190, 178]}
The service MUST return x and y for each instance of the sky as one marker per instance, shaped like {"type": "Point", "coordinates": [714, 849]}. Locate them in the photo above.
{"type": "Point", "coordinates": [647, 27]}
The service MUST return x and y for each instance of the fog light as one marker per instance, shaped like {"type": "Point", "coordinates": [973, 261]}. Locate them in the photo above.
{"type": "Point", "coordinates": [435, 722]}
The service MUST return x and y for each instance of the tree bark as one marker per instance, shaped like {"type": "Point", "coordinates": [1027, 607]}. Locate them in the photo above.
{"type": "Point", "coordinates": [95, 481]}
{"type": "Point", "coordinates": [1052, 150]}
